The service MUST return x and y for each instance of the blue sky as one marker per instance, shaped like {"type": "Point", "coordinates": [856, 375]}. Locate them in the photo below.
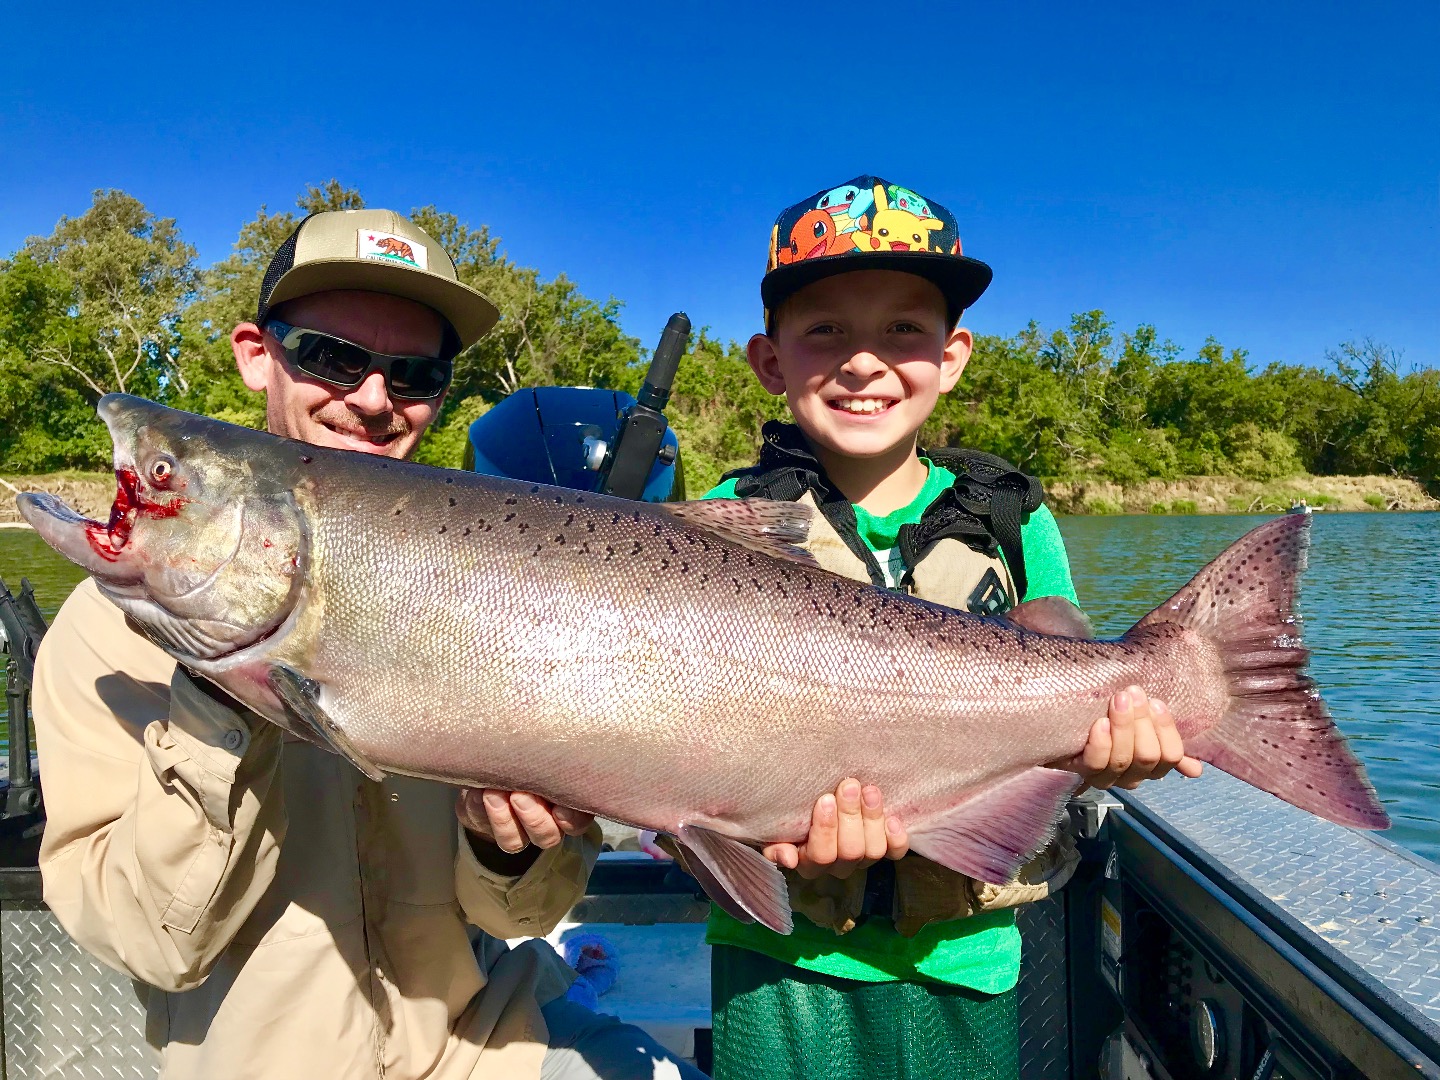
{"type": "Point", "coordinates": [1268, 174]}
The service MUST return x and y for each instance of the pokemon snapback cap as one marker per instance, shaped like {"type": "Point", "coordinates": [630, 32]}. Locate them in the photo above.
{"type": "Point", "coordinates": [870, 224]}
{"type": "Point", "coordinates": [374, 251]}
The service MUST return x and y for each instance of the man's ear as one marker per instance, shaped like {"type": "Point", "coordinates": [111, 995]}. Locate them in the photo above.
{"type": "Point", "coordinates": [247, 342]}
{"type": "Point", "coordinates": [760, 352]}
{"type": "Point", "coordinates": [957, 355]}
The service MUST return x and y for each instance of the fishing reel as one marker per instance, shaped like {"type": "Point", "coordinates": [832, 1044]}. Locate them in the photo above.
{"type": "Point", "coordinates": [587, 438]}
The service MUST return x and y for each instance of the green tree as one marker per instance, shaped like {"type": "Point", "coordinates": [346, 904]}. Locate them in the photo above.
{"type": "Point", "coordinates": [130, 274]}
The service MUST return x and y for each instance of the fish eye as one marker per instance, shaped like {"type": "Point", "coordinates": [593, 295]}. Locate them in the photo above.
{"type": "Point", "coordinates": [161, 469]}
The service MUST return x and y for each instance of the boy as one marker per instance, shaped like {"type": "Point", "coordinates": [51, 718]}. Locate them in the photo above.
{"type": "Point", "coordinates": [902, 968]}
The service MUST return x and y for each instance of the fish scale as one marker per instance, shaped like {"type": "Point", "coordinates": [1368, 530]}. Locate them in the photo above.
{"type": "Point", "coordinates": [683, 668]}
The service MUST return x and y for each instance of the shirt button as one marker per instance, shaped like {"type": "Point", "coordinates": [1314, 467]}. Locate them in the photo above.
{"type": "Point", "coordinates": [233, 739]}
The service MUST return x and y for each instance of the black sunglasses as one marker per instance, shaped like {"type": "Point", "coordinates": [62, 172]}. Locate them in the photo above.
{"type": "Point", "coordinates": [343, 363]}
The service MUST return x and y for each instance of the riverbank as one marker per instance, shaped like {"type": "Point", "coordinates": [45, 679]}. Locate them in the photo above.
{"type": "Point", "coordinates": [1232, 495]}
{"type": "Point", "coordinates": [92, 493]}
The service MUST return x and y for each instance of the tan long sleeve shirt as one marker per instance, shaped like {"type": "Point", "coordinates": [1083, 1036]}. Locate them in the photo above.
{"type": "Point", "coordinates": [291, 917]}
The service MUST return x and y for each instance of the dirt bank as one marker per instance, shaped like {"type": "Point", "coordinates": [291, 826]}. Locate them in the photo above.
{"type": "Point", "coordinates": [1230, 495]}
{"type": "Point", "coordinates": [90, 493]}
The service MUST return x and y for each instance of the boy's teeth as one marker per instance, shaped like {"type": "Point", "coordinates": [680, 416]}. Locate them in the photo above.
{"type": "Point", "coordinates": [862, 405]}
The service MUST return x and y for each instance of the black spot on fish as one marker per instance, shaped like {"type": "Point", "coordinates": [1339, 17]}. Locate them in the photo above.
{"type": "Point", "coordinates": [569, 519]}
{"type": "Point", "coordinates": [538, 549]}
{"type": "Point", "coordinates": [534, 489]}
{"type": "Point", "coordinates": [636, 549]}
{"type": "Point", "coordinates": [466, 532]}
{"type": "Point", "coordinates": [559, 538]}
{"type": "Point", "coordinates": [511, 500]}
{"type": "Point", "coordinates": [452, 500]}
{"type": "Point", "coordinates": [590, 526]}
{"type": "Point", "coordinates": [449, 479]}
{"type": "Point", "coordinates": [398, 511]}
{"type": "Point", "coordinates": [524, 526]}
{"type": "Point", "coordinates": [510, 516]}
{"type": "Point", "coordinates": [441, 529]}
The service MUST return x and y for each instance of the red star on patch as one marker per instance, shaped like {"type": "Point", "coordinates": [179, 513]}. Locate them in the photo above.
{"type": "Point", "coordinates": [370, 238]}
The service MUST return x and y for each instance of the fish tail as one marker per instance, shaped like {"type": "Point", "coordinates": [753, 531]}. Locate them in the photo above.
{"type": "Point", "coordinates": [1275, 731]}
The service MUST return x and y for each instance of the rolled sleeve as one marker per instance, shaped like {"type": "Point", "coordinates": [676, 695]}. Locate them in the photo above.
{"type": "Point", "coordinates": [531, 903]}
{"type": "Point", "coordinates": [165, 813]}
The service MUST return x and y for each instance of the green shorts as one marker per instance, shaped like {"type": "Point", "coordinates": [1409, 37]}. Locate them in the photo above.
{"type": "Point", "coordinates": [775, 1020]}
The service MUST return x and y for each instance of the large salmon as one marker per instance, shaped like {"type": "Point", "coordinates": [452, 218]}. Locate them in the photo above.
{"type": "Point", "coordinates": [684, 668]}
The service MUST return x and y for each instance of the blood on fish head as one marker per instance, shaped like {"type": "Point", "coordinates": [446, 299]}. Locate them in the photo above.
{"type": "Point", "coordinates": [197, 551]}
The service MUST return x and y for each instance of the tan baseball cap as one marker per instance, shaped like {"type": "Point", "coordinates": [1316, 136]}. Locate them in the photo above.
{"type": "Point", "coordinates": [375, 251]}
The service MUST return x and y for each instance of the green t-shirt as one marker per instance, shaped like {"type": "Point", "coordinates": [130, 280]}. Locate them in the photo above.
{"type": "Point", "coordinates": [982, 951]}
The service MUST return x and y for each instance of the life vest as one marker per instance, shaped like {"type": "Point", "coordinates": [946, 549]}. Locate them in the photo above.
{"type": "Point", "coordinates": [952, 555]}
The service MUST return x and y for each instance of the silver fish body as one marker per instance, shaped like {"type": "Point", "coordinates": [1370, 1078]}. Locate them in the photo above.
{"type": "Point", "coordinates": [680, 668]}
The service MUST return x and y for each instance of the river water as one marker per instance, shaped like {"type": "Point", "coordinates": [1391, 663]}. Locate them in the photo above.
{"type": "Point", "coordinates": [1369, 602]}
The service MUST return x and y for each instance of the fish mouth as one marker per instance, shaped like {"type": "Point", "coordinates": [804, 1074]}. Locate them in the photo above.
{"type": "Point", "coordinates": [98, 548]}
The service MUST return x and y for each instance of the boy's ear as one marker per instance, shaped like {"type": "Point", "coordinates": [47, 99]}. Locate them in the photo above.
{"type": "Point", "coordinates": [765, 362]}
{"type": "Point", "coordinates": [957, 355]}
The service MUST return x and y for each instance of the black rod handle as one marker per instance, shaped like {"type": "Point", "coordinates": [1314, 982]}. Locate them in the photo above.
{"type": "Point", "coordinates": [655, 391]}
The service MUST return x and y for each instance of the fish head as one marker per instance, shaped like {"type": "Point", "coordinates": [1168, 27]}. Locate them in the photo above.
{"type": "Point", "coordinates": [205, 547]}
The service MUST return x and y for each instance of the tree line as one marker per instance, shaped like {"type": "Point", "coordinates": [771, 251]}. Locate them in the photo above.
{"type": "Point", "coordinates": [115, 299]}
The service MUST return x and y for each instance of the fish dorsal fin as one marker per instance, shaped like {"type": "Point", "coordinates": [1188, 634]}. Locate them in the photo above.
{"type": "Point", "coordinates": [769, 526]}
{"type": "Point", "coordinates": [737, 877]}
{"type": "Point", "coordinates": [1052, 615]}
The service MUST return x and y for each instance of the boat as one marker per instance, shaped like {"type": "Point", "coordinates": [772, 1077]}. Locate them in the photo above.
{"type": "Point", "coordinates": [1211, 931]}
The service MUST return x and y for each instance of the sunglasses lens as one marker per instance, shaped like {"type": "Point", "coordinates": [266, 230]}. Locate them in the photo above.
{"type": "Point", "coordinates": [334, 361]}
{"type": "Point", "coordinates": [419, 378]}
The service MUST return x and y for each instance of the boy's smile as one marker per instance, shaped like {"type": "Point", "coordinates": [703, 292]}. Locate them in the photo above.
{"type": "Point", "coordinates": [862, 357]}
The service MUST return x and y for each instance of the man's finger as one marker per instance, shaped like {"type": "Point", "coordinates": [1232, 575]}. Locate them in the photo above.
{"type": "Point", "coordinates": [470, 809]}
{"type": "Point", "coordinates": [534, 814]}
{"type": "Point", "coordinates": [571, 821]}
{"type": "Point", "coordinates": [504, 829]}
{"type": "Point", "coordinates": [1096, 755]}
{"type": "Point", "coordinates": [1145, 757]}
{"type": "Point", "coordinates": [1189, 766]}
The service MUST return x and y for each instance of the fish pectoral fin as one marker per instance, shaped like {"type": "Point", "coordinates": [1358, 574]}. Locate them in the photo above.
{"type": "Point", "coordinates": [768, 526]}
{"type": "Point", "coordinates": [301, 698]}
{"type": "Point", "coordinates": [1052, 615]}
{"type": "Point", "coordinates": [998, 827]}
{"type": "Point", "coordinates": [737, 877]}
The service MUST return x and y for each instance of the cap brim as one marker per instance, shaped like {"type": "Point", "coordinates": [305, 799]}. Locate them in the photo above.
{"type": "Point", "coordinates": [960, 279]}
{"type": "Point", "coordinates": [469, 311]}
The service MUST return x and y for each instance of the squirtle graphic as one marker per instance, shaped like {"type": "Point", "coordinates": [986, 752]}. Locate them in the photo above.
{"type": "Point", "coordinates": [848, 205]}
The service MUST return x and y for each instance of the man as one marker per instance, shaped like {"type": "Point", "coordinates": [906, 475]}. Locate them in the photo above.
{"type": "Point", "coordinates": [291, 917]}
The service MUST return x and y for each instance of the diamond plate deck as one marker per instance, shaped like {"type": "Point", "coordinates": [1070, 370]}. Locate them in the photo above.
{"type": "Point", "coordinates": [1044, 991]}
{"type": "Point", "coordinates": [66, 1014]}
{"type": "Point", "coordinates": [1377, 904]}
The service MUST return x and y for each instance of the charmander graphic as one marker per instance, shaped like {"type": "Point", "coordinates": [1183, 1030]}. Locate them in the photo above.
{"type": "Point", "coordinates": [866, 215]}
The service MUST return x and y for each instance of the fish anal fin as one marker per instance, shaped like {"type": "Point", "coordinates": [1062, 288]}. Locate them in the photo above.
{"type": "Point", "coordinates": [998, 827]}
{"type": "Point", "coordinates": [770, 526]}
{"type": "Point", "coordinates": [738, 878]}
{"type": "Point", "coordinates": [301, 698]}
{"type": "Point", "coordinates": [1052, 615]}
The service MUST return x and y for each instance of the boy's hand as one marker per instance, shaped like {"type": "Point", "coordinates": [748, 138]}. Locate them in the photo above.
{"type": "Point", "coordinates": [1136, 741]}
{"type": "Point", "coordinates": [849, 830]}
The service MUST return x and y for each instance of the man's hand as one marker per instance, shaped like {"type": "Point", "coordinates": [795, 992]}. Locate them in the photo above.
{"type": "Point", "coordinates": [849, 830]}
{"type": "Point", "coordinates": [1136, 741]}
{"type": "Point", "coordinates": [513, 820]}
